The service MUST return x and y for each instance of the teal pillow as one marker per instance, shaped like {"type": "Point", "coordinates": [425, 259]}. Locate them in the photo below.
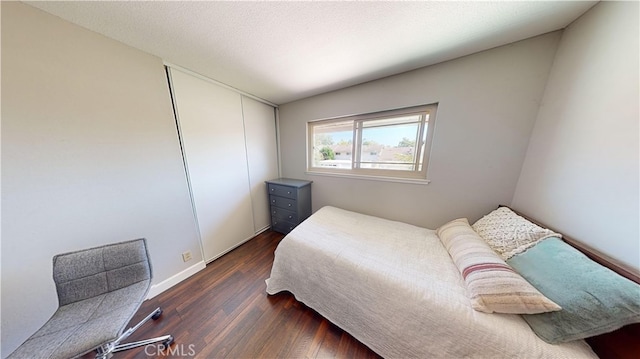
{"type": "Point", "coordinates": [594, 299]}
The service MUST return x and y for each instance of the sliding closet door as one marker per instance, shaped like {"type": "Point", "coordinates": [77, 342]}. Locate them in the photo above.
{"type": "Point", "coordinates": [262, 154]}
{"type": "Point", "coordinates": [211, 128]}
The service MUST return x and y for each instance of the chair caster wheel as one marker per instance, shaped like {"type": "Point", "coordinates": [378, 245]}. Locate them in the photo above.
{"type": "Point", "coordinates": [167, 343]}
{"type": "Point", "coordinates": [157, 314]}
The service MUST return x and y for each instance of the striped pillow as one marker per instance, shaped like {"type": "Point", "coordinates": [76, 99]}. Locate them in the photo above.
{"type": "Point", "coordinates": [492, 285]}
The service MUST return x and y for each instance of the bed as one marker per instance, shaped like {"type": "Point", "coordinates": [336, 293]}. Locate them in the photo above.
{"type": "Point", "coordinates": [395, 288]}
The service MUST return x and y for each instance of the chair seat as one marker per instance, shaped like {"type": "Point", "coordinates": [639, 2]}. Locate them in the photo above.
{"type": "Point", "coordinates": [83, 326]}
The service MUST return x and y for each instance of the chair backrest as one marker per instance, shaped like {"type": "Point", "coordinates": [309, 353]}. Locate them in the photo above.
{"type": "Point", "coordinates": [91, 272]}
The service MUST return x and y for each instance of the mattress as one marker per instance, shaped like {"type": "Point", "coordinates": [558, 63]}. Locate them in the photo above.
{"type": "Point", "coordinates": [394, 287]}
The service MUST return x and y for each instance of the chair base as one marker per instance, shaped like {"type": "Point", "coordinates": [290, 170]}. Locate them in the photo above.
{"type": "Point", "coordinates": [107, 350]}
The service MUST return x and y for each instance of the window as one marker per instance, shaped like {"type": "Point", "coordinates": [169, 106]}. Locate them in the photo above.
{"type": "Point", "coordinates": [389, 144]}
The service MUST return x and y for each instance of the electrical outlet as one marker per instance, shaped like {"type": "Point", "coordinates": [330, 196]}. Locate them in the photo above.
{"type": "Point", "coordinates": [186, 256]}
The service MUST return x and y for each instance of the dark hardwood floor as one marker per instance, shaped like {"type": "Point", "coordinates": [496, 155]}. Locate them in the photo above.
{"type": "Point", "coordinates": [223, 311]}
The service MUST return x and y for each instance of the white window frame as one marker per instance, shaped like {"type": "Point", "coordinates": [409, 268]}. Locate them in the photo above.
{"type": "Point", "coordinates": [419, 174]}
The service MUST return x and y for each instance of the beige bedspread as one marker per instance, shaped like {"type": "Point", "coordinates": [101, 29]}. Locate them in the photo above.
{"type": "Point", "coordinates": [394, 287]}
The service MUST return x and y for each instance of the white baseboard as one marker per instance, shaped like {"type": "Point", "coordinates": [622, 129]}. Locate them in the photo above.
{"type": "Point", "coordinates": [175, 279]}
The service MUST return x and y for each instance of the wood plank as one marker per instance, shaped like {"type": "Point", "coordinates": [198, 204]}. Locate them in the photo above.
{"type": "Point", "coordinates": [224, 311]}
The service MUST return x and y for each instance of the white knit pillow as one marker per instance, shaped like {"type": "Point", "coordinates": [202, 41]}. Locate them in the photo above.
{"type": "Point", "coordinates": [509, 234]}
{"type": "Point", "coordinates": [492, 285]}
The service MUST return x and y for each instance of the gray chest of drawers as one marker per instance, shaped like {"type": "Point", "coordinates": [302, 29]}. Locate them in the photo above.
{"type": "Point", "coordinates": [290, 203]}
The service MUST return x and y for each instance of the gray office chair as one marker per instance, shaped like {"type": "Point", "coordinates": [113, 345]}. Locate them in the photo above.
{"type": "Point", "coordinates": [99, 290]}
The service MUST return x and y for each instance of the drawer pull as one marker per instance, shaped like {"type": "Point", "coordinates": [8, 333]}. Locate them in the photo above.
{"type": "Point", "coordinates": [290, 216]}
{"type": "Point", "coordinates": [289, 205]}
{"type": "Point", "coordinates": [288, 192]}
{"type": "Point", "coordinates": [273, 201]}
{"type": "Point", "coordinates": [273, 190]}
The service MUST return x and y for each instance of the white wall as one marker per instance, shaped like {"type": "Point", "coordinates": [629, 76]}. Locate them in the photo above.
{"type": "Point", "coordinates": [90, 155]}
{"type": "Point", "coordinates": [487, 107]}
{"type": "Point", "coordinates": [580, 175]}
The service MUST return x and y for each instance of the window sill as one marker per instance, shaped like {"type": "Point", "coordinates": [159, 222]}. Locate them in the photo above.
{"type": "Point", "coordinates": [370, 178]}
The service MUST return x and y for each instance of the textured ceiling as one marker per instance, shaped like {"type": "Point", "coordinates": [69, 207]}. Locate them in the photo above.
{"type": "Point", "coordinates": [283, 51]}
